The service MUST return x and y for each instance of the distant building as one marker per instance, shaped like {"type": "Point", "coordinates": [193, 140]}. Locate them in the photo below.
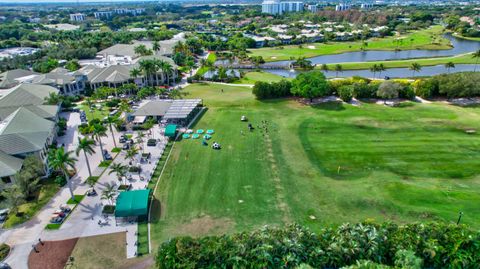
{"type": "Point", "coordinates": [103, 14]}
{"type": "Point", "coordinates": [342, 7]}
{"type": "Point", "coordinates": [118, 11]}
{"type": "Point", "coordinates": [78, 17]}
{"type": "Point", "coordinates": [366, 6]}
{"type": "Point", "coordinates": [312, 8]}
{"type": "Point", "coordinates": [275, 7]}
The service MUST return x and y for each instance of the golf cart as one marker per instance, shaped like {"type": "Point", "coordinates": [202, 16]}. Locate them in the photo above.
{"type": "Point", "coordinates": [215, 145]}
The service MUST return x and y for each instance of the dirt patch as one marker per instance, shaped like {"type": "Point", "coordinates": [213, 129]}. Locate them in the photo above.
{"type": "Point", "coordinates": [52, 254]}
{"type": "Point", "coordinates": [205, 225]}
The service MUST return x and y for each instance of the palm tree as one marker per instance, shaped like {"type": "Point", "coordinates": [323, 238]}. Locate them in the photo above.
{"type": "Point", "coordinates": [476, 55]}
{"type": "Point", "coordinates": [156, 46]}
{"type": "Point", "coordinates": [381, 68]}
{"type": "Point", "coordinates": [140, 136]}
{"type": "Point", "coordinates": [324, 68]}
{"type": "Point", "coordinates": [86, 145]}
{"type": "Point", "coordinates": [109, 193]}
{"type": "Point", "coordinates": [167, 69]}
{"type": "Point", "coordinates": [60, 160]}
{"type": "Point", "coordinates": [148, 68]}
{"type": "Point", "coordinates": [338, 68]}
{"type": "Point", "coordinates": [110, 121]}
{"type": "Point", "coordinates": [190, 65]}
{"type": "Point", "coordinates": [449, 65]}
{"type": "Point", "coordinates": [53, 99]}
{"type": "Point", "coordinates": [98, 131]}
{"type": "Point", "coordinates": [120, 170]}
{"type": "Point", "coordinates": [415, 67]}
{"type": "Point", "coordinates": [135, 73]}
{"type": "Point", "coordinates": [131, 154]}
{"type": "Point", "coordinates": [374, 69]}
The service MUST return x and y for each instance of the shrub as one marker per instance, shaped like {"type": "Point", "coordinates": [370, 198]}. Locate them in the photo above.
{"type": "Point", "coordinates": [425, 88]}
{"type": "Point", "coordinates": [407, 92]}
{"type": "Point", "coordinates": [4, 251]}
{"type": "Point", "coordinates": [108, 209]}
{"type": "Point", "coordinates": [60, 180]}
{"type": "Point", "coordinates": [440, 245]}
{"type": "Point", "coordinates": [346, 93]}
{"type": "Point", "coordinates": [265, 90]}
{"type": "Point", "coordinates": [365, 90]}
{"type": "Point", "coordinates": [389, 90]}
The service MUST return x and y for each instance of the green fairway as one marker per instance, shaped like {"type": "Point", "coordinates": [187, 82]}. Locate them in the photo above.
{"type": "Point", "coordinates": [252, 77]}
{"type": "Point", "coordinates": [458, 59]}
{"type": "Point", "coordinates": [425, 39]}
{"type": "Point", "coordinates": [318, 166]}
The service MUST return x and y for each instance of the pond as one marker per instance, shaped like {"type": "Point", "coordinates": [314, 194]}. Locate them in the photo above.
{"type": "Point", "coordinates": [460, 46]}
{"type": "Point", "coordinates": [392, 72]}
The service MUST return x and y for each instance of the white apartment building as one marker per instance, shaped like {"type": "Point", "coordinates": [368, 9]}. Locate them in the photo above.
{"type": "Point", "coordinates": [275, 7]}
{"type": "Point", "coordinates": [77, 17]}
{"type": "Point", "coordinates": [342, 7]}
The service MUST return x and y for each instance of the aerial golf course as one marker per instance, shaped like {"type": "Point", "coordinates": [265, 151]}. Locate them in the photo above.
{"type": "Point", "coordinates": [318, 166]}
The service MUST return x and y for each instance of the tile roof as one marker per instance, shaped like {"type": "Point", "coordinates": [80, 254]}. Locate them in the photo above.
{"type": "Point", "coordinates": [25, 94]}
{"type": "Point", "coordinates": [7, 78]}
{"type": "Point", "coordinates": [9, 165]}
{"type": "Point", "coordinates": [24, 132]}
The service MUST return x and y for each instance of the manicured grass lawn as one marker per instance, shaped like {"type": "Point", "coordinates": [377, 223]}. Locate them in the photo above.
{"type": "Point", "coordinates": [252, 77]}
{"type": "Point", "coordinates": [105, 164]}
{"type": "Point", "coordinates": [458, 59]}
{"type": "Point", "coordinates": [26, 211]}
{"type": "Point", "coordinates": [94, 113]}
{"type": "Point", "coordinates": [338, 163]}
{"type": "Point", "coordinates": [104, 251]}
{"type": "Point", "coordinates": [424, 39]}
{"type": "Point", "coordinates": [212, 57]}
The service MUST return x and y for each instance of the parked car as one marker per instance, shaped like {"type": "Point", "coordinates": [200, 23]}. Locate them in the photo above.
{"type": "Point", "coordinates": [151, 142]}
{"type": "Point", "coordinates": [4, 265]}
{"type": "Point", "coordinates": [126, 146]}
{"type": "Point", "coordinates": [56, 219]}
{"type": "Point", "coordinates": [65, 208]}
{"type": "Point", "coordinates": [107, 155]}
{"type": "Point", "coordinates": [91, 192]}
{"type": "Point", "coordinates": [122, 140]}
{"type": "Point", "coordinates": [3, 214]}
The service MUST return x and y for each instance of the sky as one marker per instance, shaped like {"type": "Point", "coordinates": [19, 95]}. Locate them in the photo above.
{"type": "Point", "coordinates": [68, 1]}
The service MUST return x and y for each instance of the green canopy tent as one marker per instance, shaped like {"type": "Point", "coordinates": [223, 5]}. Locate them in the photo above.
{"type": "Point", "coordinates": [171, 130]}
{"type": "Point", "coordinates": [132, 204]}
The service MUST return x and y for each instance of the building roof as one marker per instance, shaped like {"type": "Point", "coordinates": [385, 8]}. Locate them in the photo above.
{"type": "Point", "coordinates": [113, 73]}
{"type": "Point", "coordinates": [25, 94]}
{"type": "Point", "coordinates": [132, 203]}
{"type": "Point", "coordinates": [9, 165]}
{"type": "Point", "coordinates": [181, 109]}
{"type": "Point", "coordinates": [154, 108]}
{"type": "Point", "coordinates": [170, 130]}
{"type": "Point", "coordinates": [54, 78]}
{"type": "Point", "coordinates": [7, 78]}
{"type": "Point", "coordinates": [24, 132]}
{"type": "Point", "coordinates": [44, 111]}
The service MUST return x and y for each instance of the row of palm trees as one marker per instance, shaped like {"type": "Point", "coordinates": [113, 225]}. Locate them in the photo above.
{"type": "Point", "coordinates": [151, 68]}
{"type": "Point", "coordinates": [63, 161]}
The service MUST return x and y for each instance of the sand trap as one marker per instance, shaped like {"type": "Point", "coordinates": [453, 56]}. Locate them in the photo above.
{"type": "Point", "coordinates": [274, 57]}
{"type": "Point", "coordinates": [311, 47]}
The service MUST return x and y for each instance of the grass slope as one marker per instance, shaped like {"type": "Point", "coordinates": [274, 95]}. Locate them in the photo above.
{"type": "Point", "coordinates": [458, 59]}
{"type": "Point", "coordinates": [252, 77]}
{"type": "Point", "coordinates": [338, 163]}
{"type": "Point", "coordinates": [424, 39]}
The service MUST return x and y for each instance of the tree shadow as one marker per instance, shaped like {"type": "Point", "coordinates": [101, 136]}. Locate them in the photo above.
{"type": "Point", "coordinates": [330, 106]}
{"type": "Point", "coordinates": [156, 210]}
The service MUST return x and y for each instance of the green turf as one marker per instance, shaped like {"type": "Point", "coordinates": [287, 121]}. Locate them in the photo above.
{"type": "Point", "coordinates": [424, 39]}
{"type": "Point", "coordinates": [337, 163]}
{"type": "Point", "coordinates": [458, 59]}
{"type": "Point", "coordinates": [95, 113]}
{"type": "Point", "coordinates": [252, 77]}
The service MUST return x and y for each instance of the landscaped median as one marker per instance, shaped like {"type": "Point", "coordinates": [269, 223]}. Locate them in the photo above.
{"type": "Point", "coordinates": [457, 59]}
{"type": "Point", "coordinates": [70, 202]}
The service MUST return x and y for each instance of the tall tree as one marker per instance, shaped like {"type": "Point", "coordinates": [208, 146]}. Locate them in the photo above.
{"type": "Point", "coordinates": [338, 68]}
{"type": "Point", "coordinates": [310, 85]}
{"type": "Point", "coordinates": [476, 55]}
{"type": "Point", "coordinates": [120, 170]}
{"type": "Point", "coordinates": [109, 193]}
{"type": "Point", "coordinates": [86, 145]}
{"type": "Point", "coordinates": [110, 121]}
{"type": "Point", "coordinates": [449, 66]}
{"type": "Point", "coordinates": [415, 67]}
{"type": "Point", "coordinates": [60, 160]}
{"type": "Point", "coordinates": [98, 132]}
